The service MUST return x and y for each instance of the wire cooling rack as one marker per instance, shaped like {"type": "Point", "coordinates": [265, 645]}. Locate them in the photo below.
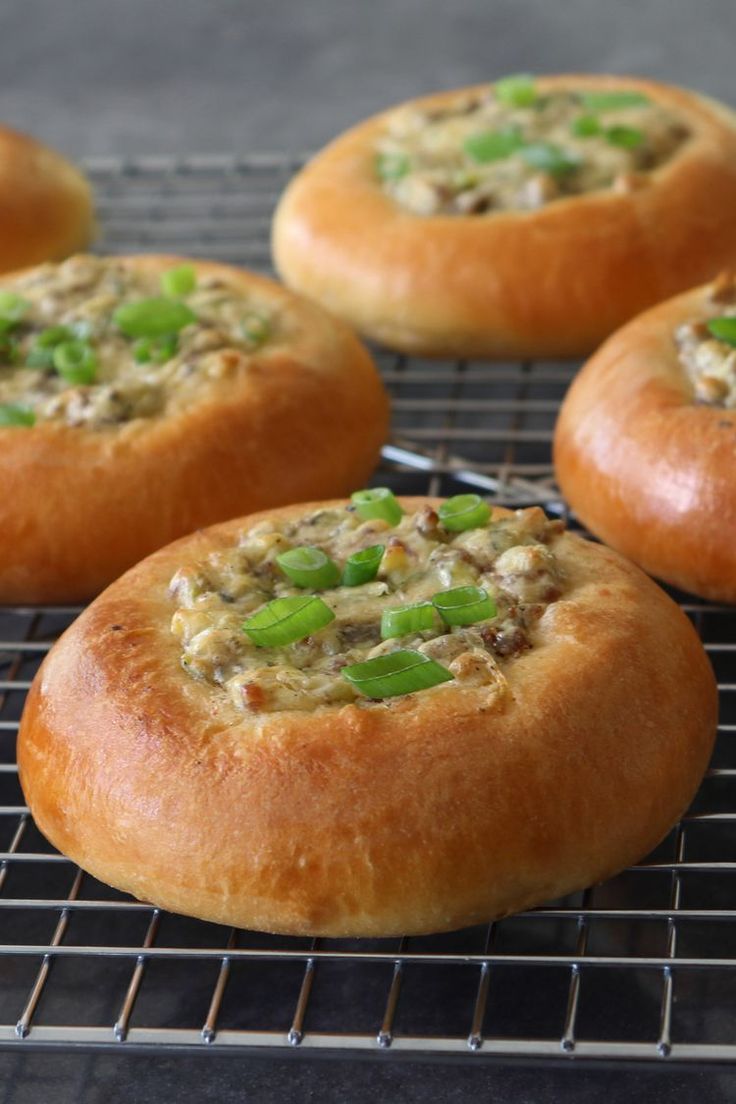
{"type": "Point", "coordinates": [642, 967]}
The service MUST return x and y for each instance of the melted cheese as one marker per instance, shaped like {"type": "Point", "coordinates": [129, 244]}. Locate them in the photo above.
{"type": "Point", "coordinates": [511, 558]}
{"type": "Point", "coordinates": [434, 173]}
{"type": "Point", "coordinates": [83, 294]}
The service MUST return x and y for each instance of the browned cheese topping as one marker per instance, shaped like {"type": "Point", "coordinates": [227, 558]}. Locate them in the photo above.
{"type": "Point", "coordinates": [518, 148]}
{"type": "Point", "coordinates": [74, 305]}
{"type": "Point", "coordinates": [707, 347]}
{"type": "Point", "coordinates": [512, 558]}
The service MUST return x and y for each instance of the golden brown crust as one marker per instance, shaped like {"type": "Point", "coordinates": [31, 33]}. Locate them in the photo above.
{"type": "Point", "coordinates": [46, 209]}
{"type": "Point", "coordinates": [643, 466]}
{"type": "Point", "coordinates": [80, 506]}
{"type": "Point", "coordinates": [436, 810]}
{"type": "Point", "coordinates": [546, 283]}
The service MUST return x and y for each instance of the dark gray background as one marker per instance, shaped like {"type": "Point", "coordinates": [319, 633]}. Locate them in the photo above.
{"type": "Point", "coordinates": [184, 76]}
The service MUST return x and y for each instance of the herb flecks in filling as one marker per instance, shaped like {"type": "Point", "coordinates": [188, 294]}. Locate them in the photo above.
{"type": "Point", "coordinates": [510, 558]}
{"type": "Point", "coordinates": [707, 347]}
{"type": "Point", "coordinates": [66, 358]}
{"type": "Point", "coordinates": [519, 148]}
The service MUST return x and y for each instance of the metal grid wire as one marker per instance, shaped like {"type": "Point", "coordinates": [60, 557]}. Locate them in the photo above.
{"type": "Point", "coordinates": [643, 966]}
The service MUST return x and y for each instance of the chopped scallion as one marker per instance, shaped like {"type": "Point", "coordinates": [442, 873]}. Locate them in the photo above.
{"type": "Point", "coordinates": [493, 145]}
{"type": "Point", "coordinates": [179, 281]}
{"type": "Point", "coordinates": [377, 502]}
{"type": "Point", "coordinates": [13, 414]}
{"type": "Point", "coordinates": [613, 101]}
{"type": "Point", "coordinates": [626, 137]}
{"type": "Point", "coordinates": [549, 158]}
{"type": "Point", "coordinates": [585, 126]}
{"type": "Point", "coordinates": [75, 361]}
{"type": "Point", "coordinates": [362, 566]}
{"type": "Point", "coordinates": [13, 308]}
{"type": "Point", "coordinates": [158, 317]}
{"type": "Point", "coordinates": [392, 166]}
{"type": "Point", "coordinates": [516, 91]}
{"type": "Point", "coordinates": [400, 672]}
{"type": "Point", "coordinates": [402, 620]}
{"type": "Point", "coordinates": [464, 511]}
{"type": "Point", "coordinates": [286, 620]}
{"type": "Point", "coordinates": [723, 329]}
{"type": "Point", "coordinates": [464, 605]}
{"type": "Point", "coordinates": [309, 567]}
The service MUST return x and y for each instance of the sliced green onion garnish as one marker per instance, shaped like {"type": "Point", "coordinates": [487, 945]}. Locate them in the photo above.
{"type": "Point", "coordinates": [179, 281]}
{"type": "Point", "coordinates": [400, 672]}
{"type": "Point", "coordinates": [309, 567]}
{"type": "Point", "coordinates": [613, 101]}
{"type": "Point", "coordinates": [9, 349]}
{"type": "Point", "coordinates": [153, 317]}
{"type": "Point", "coordinates": [392, 166]}
{"type": "Point", "coordinates": [464, 511]}
{"type": "Point", "coordinates": [724, 329]}
{"type": "Point", "coordinates": [585, 126]}
{"type": "Point", "coordinates": [12, 309]}
{"type": "Point", "coordinates": [549, 158]}
{"type": "Point", "coordinates": [464, 605]}
{"type": "Point", "coordinates": [403, 620]}
{"type": "Point", "coordinates": [492, 145]}
{"type": "Point", "coordinates": [516, 91]}
{"type": "Point", "coordinates": [362, 566]}
{"type": "Point", "coordinates": [12, 414]}
{"type": "Point", "coordinates": [54, 335]}
{"type": "Point", "coordinates": [160, 350]}
{"type": "Point", "coordinates": [626, 137]}
{"type": "Point", "coordinates": [75, 361]}
{"type": "Point", "coordinates": [286, 620]}
{"type": "Point", "coordinates": [40, 357]}
{"type": "Point", "coordinates": [378, 502]}
{"type": "Point", "coordinates": [255, 329]}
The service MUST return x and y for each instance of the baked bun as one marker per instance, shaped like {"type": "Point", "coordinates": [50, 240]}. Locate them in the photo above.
{"type": "Point", "coordinates": [46, 209]}
{"type": "Point", "coordinates": [254, 399]}
{"type": "Point", "coordinates": [499, 230]}
{"type": "Point", "coordinates": [644, 443]}
{"type": "Point", "coordinates": [258, 785]}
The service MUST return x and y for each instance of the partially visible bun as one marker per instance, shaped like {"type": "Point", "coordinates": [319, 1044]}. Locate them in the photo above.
{"type": "Point", "coordinates": [46, 209]}
{"type": "Point", "coordinates": [646, 467]}
{"type": "Point", "coordinates": [551, 282]}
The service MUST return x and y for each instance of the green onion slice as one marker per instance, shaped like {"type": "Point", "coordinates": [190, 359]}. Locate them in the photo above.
{"type": "Point", "coordinates": [626, 137]}
{"type": "Point", "coordinates": [403, 620]}
{"type": "Point", "coordinates": [76, 362]}
{"type": "Point", "coordinates": [309, 567]}
{"type": "Point", "coordinates": [179, 281]}
{"type": "Point", "coordinates": [54, 335]}
{"type": "Point", "coordinates": [724, 329]}
{"type": "Point", "coordinates": [377, 502]}
{"type": "Point", "coordinates": [464, 605]}
{"type": "Point", "coordinates": [585, 126]}
{"type": "Point", "coordinates": [256, 329]}
{"type": "Point", "coordinates": [40, 357]}
{"type": "Point", "coordinates": [159, 350]}
{"type": "Point", "coordinates": [392, 166]}
{"type": "Point", "coordinates": [13, 308]}
{"type": "Point", "coordinates": [464, 511]}
{"type": "Point", "coordinates": [516, 91]}
{"type": "Point", "coordinates": [286, 620]}
{"type": "Point", "coordinates": [493, 145]}
{"type": "Point", "coordinates": [9, 349]}
{"type": "Point", "coordinates": [156, 317]}
{"type": "Point", "coordinates": [549, 158]}
{"type": "Point", "coordinates": [613, 101]}
{"type": "Point", "coordinates": [12, 414]}
{"type": "Point", "coordinates": [400, 672]}
{"type": "Point", "coordinates": [362, 566]}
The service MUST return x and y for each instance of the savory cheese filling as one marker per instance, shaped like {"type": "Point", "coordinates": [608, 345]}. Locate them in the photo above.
{"type": "Point", "coordinates": [707, 347]}
{"type": "Point", "coordinates": [70, 308]}
{"type": "Point", "coordinates": [511, 558]}
{"type": "Point", "coordinates": [518, 148]}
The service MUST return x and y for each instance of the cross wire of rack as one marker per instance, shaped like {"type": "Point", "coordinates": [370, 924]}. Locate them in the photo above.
{"type": "Point", "coordinates": [641, 967]}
